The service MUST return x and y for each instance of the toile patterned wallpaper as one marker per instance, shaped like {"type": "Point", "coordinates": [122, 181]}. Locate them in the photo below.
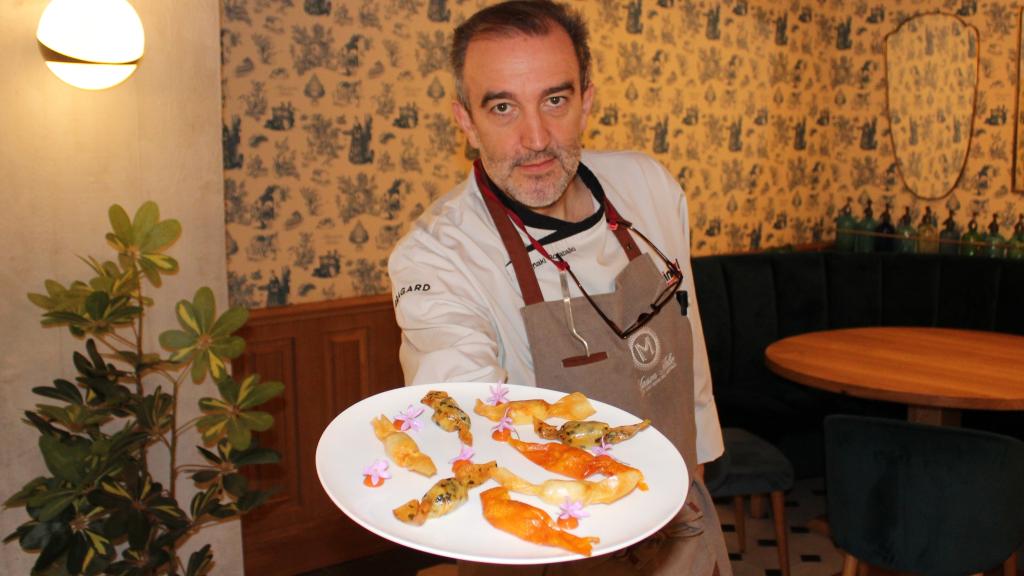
{"type": "Point", "coordinates": [337, 130]}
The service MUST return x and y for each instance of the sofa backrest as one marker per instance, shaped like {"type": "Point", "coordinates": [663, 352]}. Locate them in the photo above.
{"type": "Point", "coordinates": [747, 301]}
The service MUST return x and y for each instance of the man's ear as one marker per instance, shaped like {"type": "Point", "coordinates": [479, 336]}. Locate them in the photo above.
{"type": "Point", "coordinates": [588, 103]}
{"type": "Point", "coordinates": [465, 122]}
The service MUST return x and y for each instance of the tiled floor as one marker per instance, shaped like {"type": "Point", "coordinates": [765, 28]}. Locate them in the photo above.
{"type": "Point", "coordinates": [810, 553]}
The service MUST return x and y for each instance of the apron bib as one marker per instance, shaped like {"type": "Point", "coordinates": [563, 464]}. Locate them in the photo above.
{"type": "Point", "coordinates": [649, 374]}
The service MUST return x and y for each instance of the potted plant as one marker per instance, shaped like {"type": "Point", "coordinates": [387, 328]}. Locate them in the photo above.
{"type": "Point", "coordinates": [101, 510]}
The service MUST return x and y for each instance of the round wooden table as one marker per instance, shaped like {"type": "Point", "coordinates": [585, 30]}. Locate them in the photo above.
{"type": "Point", "coordinates": [936, 372]}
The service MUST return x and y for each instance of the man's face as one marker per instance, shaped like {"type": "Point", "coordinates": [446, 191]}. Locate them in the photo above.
{"type": "Point", "coordinates": [526, 113]}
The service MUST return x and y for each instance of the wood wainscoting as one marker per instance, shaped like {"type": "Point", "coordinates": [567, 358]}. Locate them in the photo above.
{"type": "Point", "coordinates": [329, 355]}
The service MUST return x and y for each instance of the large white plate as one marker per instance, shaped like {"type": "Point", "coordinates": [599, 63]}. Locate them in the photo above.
{"type": "Point", "coordinates": [348, 445]}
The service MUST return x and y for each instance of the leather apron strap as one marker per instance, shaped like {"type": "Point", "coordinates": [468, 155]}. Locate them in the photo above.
{"type": "Point", "coordinates": [503, 219]}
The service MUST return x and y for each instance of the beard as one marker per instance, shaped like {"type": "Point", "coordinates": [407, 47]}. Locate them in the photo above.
{"type": "Point", "coordinates": [536, 191]}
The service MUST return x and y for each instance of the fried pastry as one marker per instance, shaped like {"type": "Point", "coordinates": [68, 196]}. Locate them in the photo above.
{"type": "Point", "coordinates": [530, 523]}
{"type": "Point", "coordinates": [448, 415]}
{"type": "Point", "coordinates": [557, 492]}
{"type": "Point", "coordinates": [446, 494]}
{"type": "Point", "coordinates": [401, 448]}
{"type": "Point", "coordinates": [573, 406]}
{"type": "Point", "coordinates": [586, 434]}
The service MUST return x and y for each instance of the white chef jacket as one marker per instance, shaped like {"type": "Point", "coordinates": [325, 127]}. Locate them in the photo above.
{"type": "Point", "coordinates": [458, 302]}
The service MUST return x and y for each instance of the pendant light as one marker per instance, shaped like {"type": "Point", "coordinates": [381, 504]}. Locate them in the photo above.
{"type": "Point", "coordinates": [91, 44]}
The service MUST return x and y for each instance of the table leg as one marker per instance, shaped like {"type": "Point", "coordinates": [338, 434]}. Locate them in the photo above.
{"type": "Point", "coordinates": [934, 416]}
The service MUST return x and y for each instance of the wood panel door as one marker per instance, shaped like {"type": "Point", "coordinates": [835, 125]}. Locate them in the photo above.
{"type": "Point", "coordinates": [329, 356]}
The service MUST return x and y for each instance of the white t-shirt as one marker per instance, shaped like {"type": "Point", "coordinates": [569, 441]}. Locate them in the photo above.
{"type": "Point", "coordinates": [458, 302]}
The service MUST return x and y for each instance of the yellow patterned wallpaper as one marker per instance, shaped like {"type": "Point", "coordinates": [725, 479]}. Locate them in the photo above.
{"type": "Point", "coordinates": [337, 128]}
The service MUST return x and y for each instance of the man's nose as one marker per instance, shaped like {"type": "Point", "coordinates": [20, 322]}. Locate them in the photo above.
{"type": "Point", "coordinates": [534, 133]}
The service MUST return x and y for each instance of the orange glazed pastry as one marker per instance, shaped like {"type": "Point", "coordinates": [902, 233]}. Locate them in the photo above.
{"type": "Point", "coordinates": [530, 523]}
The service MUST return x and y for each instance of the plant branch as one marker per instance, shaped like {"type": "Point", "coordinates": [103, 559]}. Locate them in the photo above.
{"type": "Point", "coordinates": [188, 424]}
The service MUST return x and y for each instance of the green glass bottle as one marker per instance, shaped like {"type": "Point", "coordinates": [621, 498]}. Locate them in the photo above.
{"type": "Point", "coordinates": [995, 244]}
{"type": "Point", "coordinates": [906, 236]}
{"type": "Point", "coordinates": [885, 232]}
{"type": "Point", "coordinates": [949, 236]}
{"type": "Point", "coordinates": [928, 233]}
{"type": "Point", "coordinates": [845, 226]}
{"type": "Point", "coordinates": [972, 240]}
{"type": "Point", "coordinates": [1015, 248]}
{"type": "Point", "coordinates": [865, 240]}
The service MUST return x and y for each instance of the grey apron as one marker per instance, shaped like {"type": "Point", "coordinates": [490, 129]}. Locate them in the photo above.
{"type": "Point", "coordinates": [649, 374]}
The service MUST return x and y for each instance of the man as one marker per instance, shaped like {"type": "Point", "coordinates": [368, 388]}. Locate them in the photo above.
{"type": "Point", "coordinates": [561, 269]}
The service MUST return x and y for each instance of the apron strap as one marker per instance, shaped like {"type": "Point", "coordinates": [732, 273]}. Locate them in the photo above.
{"type": "Point", "coordinates": [502, 217]}
{"type": "Point", "coordinates": [525, 275]}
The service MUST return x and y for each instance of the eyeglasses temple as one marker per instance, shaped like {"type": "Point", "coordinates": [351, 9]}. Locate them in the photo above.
{"type": "Point", "coordinates": [562, 277]}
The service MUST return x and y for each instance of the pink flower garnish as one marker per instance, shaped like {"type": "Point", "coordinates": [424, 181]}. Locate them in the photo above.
{"type": "Point", "coordinates": [498, 395]}
{"type": "Point", "coordinates": [504, 424]}
{"type": "Point", "coordinates": [409, 416]}
{"type": "Point", "coordinates": [572, 509]}
{"type": "Point", "coordinates": [465, 454]}
{"type": "Point", "coordinates": [378, 471]}
{"type": "Point", "coordinates": [602, 449]}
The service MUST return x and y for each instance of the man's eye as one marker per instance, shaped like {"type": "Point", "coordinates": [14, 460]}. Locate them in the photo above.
{"type": "Point", "coordinates": [502, 108]}
{"type": "Point", "coordinates": [556, 100]}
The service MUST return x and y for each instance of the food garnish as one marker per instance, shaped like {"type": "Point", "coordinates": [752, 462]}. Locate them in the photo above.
{"type": "Point", "coordinates": [375, 474]}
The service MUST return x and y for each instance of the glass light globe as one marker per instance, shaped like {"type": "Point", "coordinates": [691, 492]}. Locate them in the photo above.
{"type": "Point", "coordinates": [91, 44]}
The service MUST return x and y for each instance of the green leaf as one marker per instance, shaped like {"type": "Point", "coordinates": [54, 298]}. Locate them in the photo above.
{"type": "Point", "coordinates": [187, 317]}
{"type": "Point", "coordinates": [176, 339]}
{"type": "Point", "coordinates": [255, 420]}
{"type": "Point", "coordinates": [120, 223]}
{"type": "Point", "coordinates": [204, 476]}
{"type": "Point", "coordinates": [54, 288]}
{"type": "Point", "coordinates": [230, 390]}
{"type": "Point", "coordinates": [199, 367]}
{"type": "Point", "coordinates": [256, 456]}
{"type": "Point", "coordinates": [65, 460]}
{"type": "Point", "coordinates": [145, 218]}
{"type": "Point", "coordinates": [217, 367]}
{"type": "Point", "coordinates": [55, 505]}
{"type": "Point", "coordinates": [62, 390]}
{"type": "Point", "coordinates": [235, 484]}
{"type": "Point", "coordinates": [96, 305]}
{"type": "Point", "coordinates": [212, 427]}
{"type": "Point", "coordinates": [210, 456]}
{"type": "Point", "coordinates": [230, 347]}
{"type": "Point", "coordinates": [239, 434]}
{"type": "Point", "coordinates": [253, 499]}
{"type": "Point", "coordinates": [44, 302]}
{"type": "Point", "coordinates": [230, 321]}
{"type": "Point", "coordinates": [260, 393]}
{"type": "Point", "coordinates": [200, 562]}
{"type": "Point", "coordinates": [20, 497]}
{"type": "Point", "coordinates": [205, 308]}
{"type": "Point", "coordinates": [162, 235]}
{"type": "Point", "coordinates": [161, 262]}
{"type": "Point", "coordinates": [203, 502]}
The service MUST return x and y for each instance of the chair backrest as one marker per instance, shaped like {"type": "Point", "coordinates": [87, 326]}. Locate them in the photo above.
{"type": "Point", "coordinates": [924, 499]}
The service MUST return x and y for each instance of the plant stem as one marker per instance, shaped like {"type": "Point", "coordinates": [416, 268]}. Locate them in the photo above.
{"type": "Point", "coordinates": [143, 451]}
{"type": "Point", "coordinates": [188, 424]}
{"type": "Point", "coordinates": [122, 339]}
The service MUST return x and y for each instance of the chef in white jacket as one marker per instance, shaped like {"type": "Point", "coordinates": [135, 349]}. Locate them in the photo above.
{"type": "Point", "coordinates": [559, 268]}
